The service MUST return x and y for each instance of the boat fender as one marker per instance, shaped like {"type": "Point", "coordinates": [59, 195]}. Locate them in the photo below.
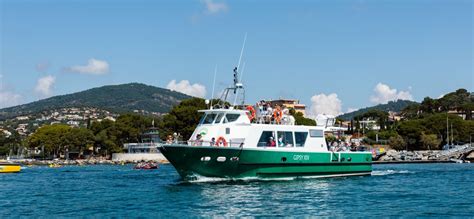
{"type": "Point", "coordinates": [221, 141]}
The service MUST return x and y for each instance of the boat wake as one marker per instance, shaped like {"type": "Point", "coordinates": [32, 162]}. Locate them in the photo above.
{"type": "Point", "coordinates": [389, 172]}
{"type": "Point", "coordinates": [203, 179]}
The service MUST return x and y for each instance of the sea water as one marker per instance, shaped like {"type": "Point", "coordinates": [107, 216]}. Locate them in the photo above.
{"type": "Point", "coordinates": [401, 190]}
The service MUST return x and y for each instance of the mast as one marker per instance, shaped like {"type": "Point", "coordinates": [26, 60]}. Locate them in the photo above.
{"type": "Point", "coordinates": [452, 135]}
{"type": "Point", "coordinates": [447, 129]}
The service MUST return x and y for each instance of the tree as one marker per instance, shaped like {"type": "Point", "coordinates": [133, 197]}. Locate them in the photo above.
{"type": "Point", "coordinates": [300, 119]}
{"type": "Point", "coordinates": [429, 141]}
{"type": "Point", "coordinates": [49, 137]}
{"type": "Point", "coordinates": [183, 118]}
{"type": "Point", "coordinates": [78, 139]}
{"type": "Point", "coordinates": [397, 143]}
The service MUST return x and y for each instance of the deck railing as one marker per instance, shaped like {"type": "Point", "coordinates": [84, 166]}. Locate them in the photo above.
{"type": "Point", "coordinates": [208, 143]}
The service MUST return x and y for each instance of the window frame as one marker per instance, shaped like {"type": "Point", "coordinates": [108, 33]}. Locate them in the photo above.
{"type": "Point", "coordinates": [285, 145]}
{"type": "Point", "coordinates": [227, 120]}
{"type": "Point", "coordinates": [319, 133]}
{"type": "Point", "coordinates": [266, 141]}
{"type": "Point", "coordinates": [305, 139]}
{"type": "Point", "coordinates": [211, 122]}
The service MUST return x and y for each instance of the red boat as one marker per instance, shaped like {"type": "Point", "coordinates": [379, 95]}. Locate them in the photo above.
{"type": "Point", "coordinates": [146, 166]}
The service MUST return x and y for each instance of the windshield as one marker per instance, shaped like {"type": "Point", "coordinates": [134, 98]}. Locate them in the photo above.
{"type": "Point", "coordinates": [208, 119]}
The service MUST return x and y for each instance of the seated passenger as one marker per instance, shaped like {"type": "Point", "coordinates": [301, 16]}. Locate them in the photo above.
{"type": "Point", "coordinates": [271, 142]}
{"type": "Point", "coordinates": [280, 142]}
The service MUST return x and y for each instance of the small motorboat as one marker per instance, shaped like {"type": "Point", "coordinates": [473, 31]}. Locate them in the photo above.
{"type": "Point", "coordinates": [10, 168]}
{"type": "Point", "coordinates": [146, 165]}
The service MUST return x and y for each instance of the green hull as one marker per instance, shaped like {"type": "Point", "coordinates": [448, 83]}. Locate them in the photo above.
{"type": "Point", "coordinates": [222, 162]}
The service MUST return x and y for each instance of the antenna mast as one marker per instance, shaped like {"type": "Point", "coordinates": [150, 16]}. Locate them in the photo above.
{"type": "Point", "coordinates": [213, 84]}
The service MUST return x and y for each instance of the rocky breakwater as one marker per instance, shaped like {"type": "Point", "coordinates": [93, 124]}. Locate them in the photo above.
{"type": "Point", "coordinates": [92, 161]}
{"type": "Point", "coordinates": [426, 156]}
{"type": "Point", "coordinates": [393, 155]}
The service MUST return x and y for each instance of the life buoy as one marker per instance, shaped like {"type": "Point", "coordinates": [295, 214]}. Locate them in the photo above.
{"type": "Point", "coordinates": [251, 113]}
{"type": "Point", "coordinates": [277, 115]}
{"type": "Point", "coordinates": [221, 140]}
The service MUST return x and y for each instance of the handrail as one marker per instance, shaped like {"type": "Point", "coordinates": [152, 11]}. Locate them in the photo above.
{"type": "Point", "coordinates": [207, 143]}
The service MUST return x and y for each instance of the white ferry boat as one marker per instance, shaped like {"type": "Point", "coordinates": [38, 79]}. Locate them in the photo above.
{"type": "Point", "coordinates": [238, 142]}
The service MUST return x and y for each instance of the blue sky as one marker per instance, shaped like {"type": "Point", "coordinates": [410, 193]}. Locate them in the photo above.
{"type": "Point", "coordinates": [334, 56]}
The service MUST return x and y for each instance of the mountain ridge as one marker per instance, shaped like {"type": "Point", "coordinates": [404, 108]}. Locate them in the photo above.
{"type": "Point", "coordinates": [394, 106]}
{"type": "Point", "coordinates": [116, 98]}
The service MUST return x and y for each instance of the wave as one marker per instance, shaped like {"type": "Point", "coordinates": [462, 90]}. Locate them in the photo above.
{"type": "Point", "coordinates": [203, 179]}
{"type": "Point", "coordinates": [389, 172]}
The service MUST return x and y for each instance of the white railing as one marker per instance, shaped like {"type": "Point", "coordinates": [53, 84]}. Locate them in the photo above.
{"type": "Point", "coordinates": [208, 143]}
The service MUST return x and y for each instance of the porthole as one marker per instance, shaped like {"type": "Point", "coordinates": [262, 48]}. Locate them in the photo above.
{"type": "Point", "coordinates": [221, 159]}
{"type": "Point", "coordinates": [205, 158]}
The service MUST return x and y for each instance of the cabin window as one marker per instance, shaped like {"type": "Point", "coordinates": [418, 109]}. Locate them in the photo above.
{"type": "Point", "coordinates": [300, 138]}
{"type": "Point", "coordinates": [209, 118]}
{"type": "Point", "coordinates": [231, 117]}
{"type": "Point", "coordinates": [316, 133]}
{"type": "Point", "coordinates": [219, 118]}
{"type": "Point", "coordinates": [266, 138]}
{"type": "Point", "coordinates": [285, 139]}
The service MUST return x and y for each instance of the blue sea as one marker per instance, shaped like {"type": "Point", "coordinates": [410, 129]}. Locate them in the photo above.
{"type": "Point", "coordinates": [401, 190]}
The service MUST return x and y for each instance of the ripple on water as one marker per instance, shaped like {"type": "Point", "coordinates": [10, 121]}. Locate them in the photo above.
{"type": "Point", "coordinates": [114, 191]}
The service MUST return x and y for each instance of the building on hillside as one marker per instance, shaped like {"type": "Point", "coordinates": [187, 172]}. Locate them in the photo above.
{"type": "Point", "coordinates": [289, 103]}
{"type": "Point", "coordinates": [73, 123]}
{"type": "Point", "coordinates": [6, 132]}
{"type": "Point", "coordinates": [461, 114]}
{"type": "Point", "coordinates": [22, 129]}
{"type": "Point", "coordinates": [394, 116]}
{"type": "Point", "coordinates": [369, 124]}
{"type": "Point", "coordinates": [22, 118]}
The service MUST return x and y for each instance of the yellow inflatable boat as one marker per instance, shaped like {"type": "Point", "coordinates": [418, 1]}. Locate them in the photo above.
{"type": "Point", "coordinates": [9, 168]}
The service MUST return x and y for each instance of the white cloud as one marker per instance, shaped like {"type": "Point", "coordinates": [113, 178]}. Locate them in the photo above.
{"type": "Point", "coordinates": [214, 7]}
{"type": "Point", "coordinates": [383, 94]}
{"type": "Point", "coordinates": [44, 86]}
{"type": "Point", "coordinates": [8, 98]}
{"type": "Point", "coordinates": [196, 90]}
{"type": "Point", "coordinates": [325, 104]}
{"type": "Point", "coordinates": [94, 67]}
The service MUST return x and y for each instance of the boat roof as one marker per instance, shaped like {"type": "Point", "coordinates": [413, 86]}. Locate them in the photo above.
{"type": "Point", "coordinates": [222, 110]}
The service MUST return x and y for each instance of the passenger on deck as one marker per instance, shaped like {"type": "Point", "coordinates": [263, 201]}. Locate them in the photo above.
{"type": "Point", "coordinates": [198, 141]}
{"type": "Point", "coordinates": [213, 141]}
{"type": "Point", "coordinates": [271, 142]}
{"type": "Point", "coordinates": [269, 114]}
{"type": "Point", "coordinates": [169, 139]}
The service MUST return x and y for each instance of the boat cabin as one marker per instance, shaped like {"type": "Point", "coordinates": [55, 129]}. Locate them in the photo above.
{"type": "Point", "coordinates": [233, 128]}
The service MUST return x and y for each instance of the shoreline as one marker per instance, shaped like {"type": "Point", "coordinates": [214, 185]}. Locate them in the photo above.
{"type": "Point", "coordinates": [110, 162]}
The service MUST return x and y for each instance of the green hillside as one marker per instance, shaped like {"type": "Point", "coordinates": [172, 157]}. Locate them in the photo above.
{"type": "Point", "coordinates": [116, 98]}
{"type": "Point", "coordinates": [394, 106]}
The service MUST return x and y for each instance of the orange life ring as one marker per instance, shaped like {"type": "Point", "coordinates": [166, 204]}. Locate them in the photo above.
{"type": "Point", "coordinates": [251, 113]}
{"type": "Point", "coordinates": [221, 140]}
{"type": "Point", "coordinates": [277, 115]}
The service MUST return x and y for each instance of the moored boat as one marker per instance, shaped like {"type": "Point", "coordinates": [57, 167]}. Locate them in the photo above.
{"type": "Point", "coordinates": [9, 168]}
{"type": "Point", "coordinates": [240, 142]}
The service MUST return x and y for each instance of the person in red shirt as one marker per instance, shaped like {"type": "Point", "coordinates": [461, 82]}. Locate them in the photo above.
{"type": "Point", "coordinates": [271, 142]}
